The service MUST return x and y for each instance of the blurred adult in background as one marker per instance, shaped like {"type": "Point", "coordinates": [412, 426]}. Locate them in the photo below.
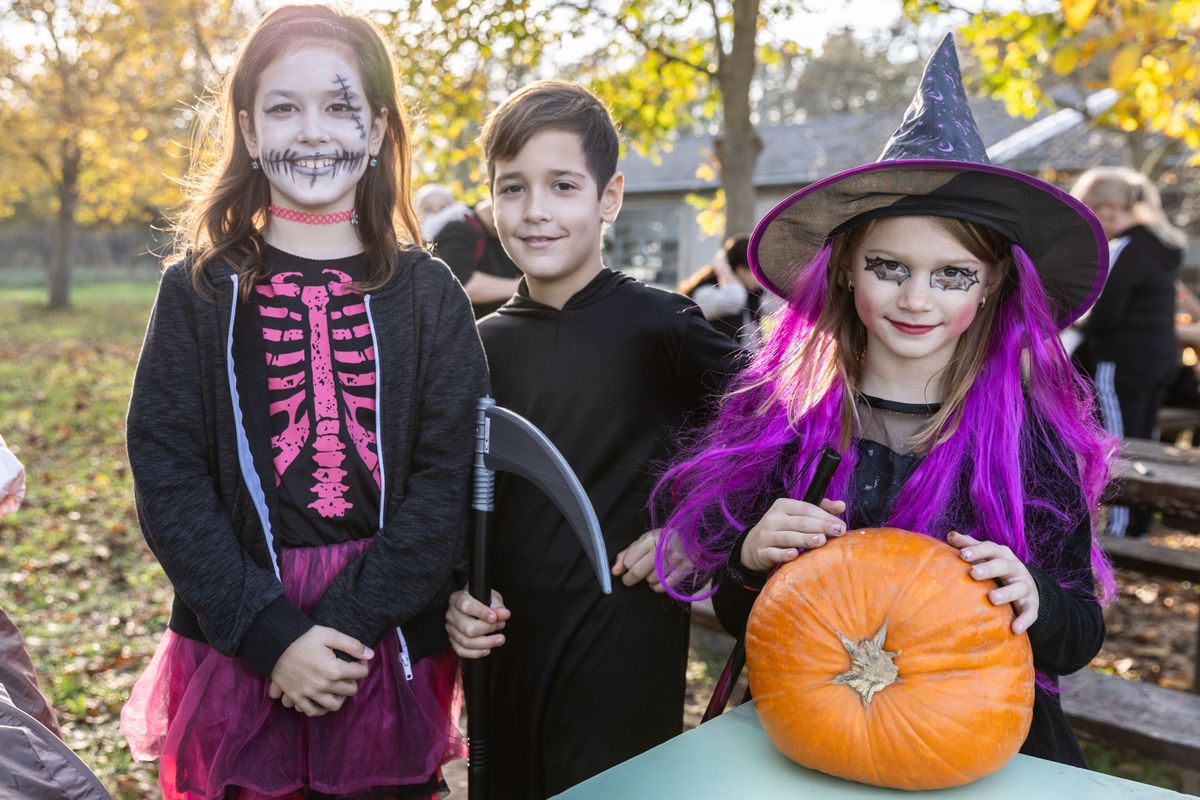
{"type": "Point", "coordinates": [728, 293]}
{"type": "Point", "coordinates": [465, 238]}
{"type": "Point", "coordinates": [1129, 345]}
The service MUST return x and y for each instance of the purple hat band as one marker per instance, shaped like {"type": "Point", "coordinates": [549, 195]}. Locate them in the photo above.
{"type": "Point", "coordinates": [1062, 236]}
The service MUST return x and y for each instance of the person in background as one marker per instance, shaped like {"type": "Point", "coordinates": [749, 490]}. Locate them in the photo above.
{"type": "Point", "coordinates": [728, 293]}
{"type": "Point", "coordinates": [1129, 346]}
{"type": "Point", "coordinates": [465, 238]}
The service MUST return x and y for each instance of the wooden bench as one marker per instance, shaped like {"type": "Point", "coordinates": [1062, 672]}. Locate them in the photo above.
{"type": "Point", "coordinates": [1161, 477]}
{"type": "Point", "coordinates": [1157, 722]}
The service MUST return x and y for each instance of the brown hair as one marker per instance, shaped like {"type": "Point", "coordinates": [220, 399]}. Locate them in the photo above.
{"type": "Point", "coordinates": [228, 198]}
{"type": "Point", "coordinates": [553, 106]}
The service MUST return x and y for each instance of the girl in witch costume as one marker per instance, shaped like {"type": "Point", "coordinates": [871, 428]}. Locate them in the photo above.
{"type": "Point", "coordinates": [300, 434]}
{"type": "Point", "coordinates": [924, 293]}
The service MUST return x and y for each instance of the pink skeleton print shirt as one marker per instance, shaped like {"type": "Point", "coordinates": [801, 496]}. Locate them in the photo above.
{"type": "Point", "coordinates": [321, 389]}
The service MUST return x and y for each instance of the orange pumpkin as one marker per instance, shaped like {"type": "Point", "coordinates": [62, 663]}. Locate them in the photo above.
{"type": "Point", "coordinates": [877, 658]}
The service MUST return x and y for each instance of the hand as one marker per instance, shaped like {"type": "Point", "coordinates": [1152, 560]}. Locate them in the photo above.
{"type": "Point", "coordinates": [636, 562]}
{"type": "Point", "coordinates": [789, 526]}
{"type": "Point", "coordinates": [996, 562]}
{"type": "Point", "coordinates": [312, 679]}
{"type": "Point", "coordinates": [721, 267]}
{"type": "Point", "coordinates": [472, 626]}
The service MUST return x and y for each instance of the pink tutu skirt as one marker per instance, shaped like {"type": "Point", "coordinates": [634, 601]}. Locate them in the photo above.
{"type": "Point", "coordinates": [212, 722]}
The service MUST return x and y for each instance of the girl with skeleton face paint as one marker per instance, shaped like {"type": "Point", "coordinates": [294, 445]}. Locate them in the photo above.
{"type": "Point", "coordinates": [300, 438]}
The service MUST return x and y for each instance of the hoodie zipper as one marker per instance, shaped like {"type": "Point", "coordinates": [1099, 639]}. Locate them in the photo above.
{"type": "Point", "coordinates": [405, 661]}
{"type": "Point", "coordinates": [245, 457]}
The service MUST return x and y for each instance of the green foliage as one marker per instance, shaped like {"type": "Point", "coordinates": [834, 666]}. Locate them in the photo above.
{"type": "Point", "coordinates": [1146, 50]}
{"type": "Point", "coordinates": [94, 101]}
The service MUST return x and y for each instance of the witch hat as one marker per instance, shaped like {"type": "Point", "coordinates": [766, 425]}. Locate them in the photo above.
{"type": "Point", "coordinates": [936, 164]}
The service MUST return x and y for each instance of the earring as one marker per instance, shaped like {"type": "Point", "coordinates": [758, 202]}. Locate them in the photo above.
{"type": "Point", "coordinates": [982, 301]}
{"type": "Point", "coordinates": [254, 164]}
{"type": "Point", "coordinates": [374, 162]}
{"type": "Point", "coordinates": [354, 217]}
{"type": "Point", "coordinates": [850, 285]}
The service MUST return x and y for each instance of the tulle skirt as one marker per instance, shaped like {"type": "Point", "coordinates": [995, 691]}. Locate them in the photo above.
{"type": "Point", "coordinates": [211, 721]}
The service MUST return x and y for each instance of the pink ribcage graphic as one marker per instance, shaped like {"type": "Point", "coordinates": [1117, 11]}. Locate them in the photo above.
{"type": "Point", "coordinates": [327, 330]}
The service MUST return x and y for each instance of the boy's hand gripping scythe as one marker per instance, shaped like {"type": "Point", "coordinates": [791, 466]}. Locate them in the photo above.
{"type": "Point", "coordinates": [508, 442]}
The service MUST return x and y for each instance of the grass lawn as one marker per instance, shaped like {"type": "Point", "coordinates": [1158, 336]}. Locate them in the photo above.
{"type": "Point", "coordinates": [75, 573]}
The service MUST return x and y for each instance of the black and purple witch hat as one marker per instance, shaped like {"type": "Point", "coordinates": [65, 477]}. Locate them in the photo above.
{"type": "Point", "coordinates": [936, 164]}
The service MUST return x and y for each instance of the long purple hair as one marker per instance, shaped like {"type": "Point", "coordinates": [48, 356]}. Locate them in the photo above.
{"type": "Point", "coordinates": [796, 396]}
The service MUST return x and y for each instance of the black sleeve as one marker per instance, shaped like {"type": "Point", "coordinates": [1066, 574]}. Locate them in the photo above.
{"type": "Point", "coordinates": [1109, 311]}
{"type": "Point", "coordinates": [737, 589]}
{"type": "Point", "coordinates": [237, 601]}
{"type": "Point", "coordinates": [1069, 630]}
{"type": "Point", "coordinates": [456, 245]}
{"type": "Point", "coordinates": [705, 361]}
{"type": "Point", "coordinates": [410, 561]}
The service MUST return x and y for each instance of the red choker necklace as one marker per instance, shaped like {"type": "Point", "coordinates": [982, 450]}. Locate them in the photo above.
{"type": "Point", "coordinates": [349, 215]}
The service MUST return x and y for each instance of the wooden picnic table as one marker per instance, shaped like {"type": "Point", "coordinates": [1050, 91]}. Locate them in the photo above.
{"type": "Point", "coordinates": [1161, 477]}
{"type": "Point", "coordinates": [732, 757]}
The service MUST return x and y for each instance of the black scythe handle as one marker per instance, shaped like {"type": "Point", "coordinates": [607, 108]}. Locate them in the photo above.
{"type": "Point", "coordinates": [826, 466]}
{"type": "Point", "coordinates": [478, 672]}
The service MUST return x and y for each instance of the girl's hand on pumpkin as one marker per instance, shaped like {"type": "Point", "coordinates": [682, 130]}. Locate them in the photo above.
{"type": "Point", "coordinates": [789, 527]}
{"type": "Point", "coordinates": [991, 561]}
{"type": "Point", "coordinates": [473, 627]}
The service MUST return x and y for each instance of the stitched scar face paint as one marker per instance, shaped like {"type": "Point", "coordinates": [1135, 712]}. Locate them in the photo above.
{"type": "Point", "coordinates": [916, 290]}
{"type": "Point", "coordinates": [312, 128]}
{"type": "Point", "coordinates": [310, 167]}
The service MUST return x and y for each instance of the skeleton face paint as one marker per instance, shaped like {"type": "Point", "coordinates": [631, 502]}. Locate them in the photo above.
{"type": "Point", "coordinates": [312, 129]}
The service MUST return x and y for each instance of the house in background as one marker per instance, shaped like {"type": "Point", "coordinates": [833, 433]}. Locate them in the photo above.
{"type": "Point", "coordinates": [657, 239]}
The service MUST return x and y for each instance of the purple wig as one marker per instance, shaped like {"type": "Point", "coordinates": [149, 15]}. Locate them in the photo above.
{"type": "Point", "coordinates": [792, 400]}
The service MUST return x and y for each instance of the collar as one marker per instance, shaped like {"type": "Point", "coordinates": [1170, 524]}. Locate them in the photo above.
{"type": "Point", "coordinates": [605, 283]}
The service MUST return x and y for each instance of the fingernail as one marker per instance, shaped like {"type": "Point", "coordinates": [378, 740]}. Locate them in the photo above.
{"type": "Point", "coordinates": [499, 640]}
{"type": "Point", "coordinates": [368, 653]}
{"type": "Point", "coordinates": [975, 573]}
{"type": "Point", "coordinates": [836, 529]}
{"type": "Point", "coordinates": [967, 554]}
{"type": "Point", "coordinates": [820, 539]}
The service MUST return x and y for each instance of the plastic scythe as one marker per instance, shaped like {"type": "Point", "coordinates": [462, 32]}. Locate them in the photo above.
{"type": "Point", "coordinates": [507, 442]}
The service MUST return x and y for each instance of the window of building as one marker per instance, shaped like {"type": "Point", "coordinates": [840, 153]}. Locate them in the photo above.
{"type": "Point", "coordinates": [644, 243]}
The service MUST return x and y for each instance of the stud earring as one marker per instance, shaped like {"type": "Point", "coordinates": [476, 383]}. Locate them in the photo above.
{"type": "Point", "coordinates": [254, 164]}
{"type": "Point", "coordinates": [983, 301]}
{"type": "Point", "coordinates": [354, 217]}
{"type": "Point", "coordinates": [374, 162]}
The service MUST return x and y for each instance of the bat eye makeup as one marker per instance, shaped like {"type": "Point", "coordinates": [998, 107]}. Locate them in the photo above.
{"type": "Point", "coordinates": [951, 279]}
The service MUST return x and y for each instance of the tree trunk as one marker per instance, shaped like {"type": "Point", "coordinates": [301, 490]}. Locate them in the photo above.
{"type": "Point", "coordinates": [68, 200]}
{"type": "Point", "coordinates": [740, 144]}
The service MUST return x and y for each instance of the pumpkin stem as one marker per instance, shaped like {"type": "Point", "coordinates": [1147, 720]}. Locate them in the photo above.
{"type": "Point", "coordinates": [871, 667]}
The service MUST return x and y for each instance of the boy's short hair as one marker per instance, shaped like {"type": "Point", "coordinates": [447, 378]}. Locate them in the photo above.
{"type": "Point", "coordinates": [552, 106]}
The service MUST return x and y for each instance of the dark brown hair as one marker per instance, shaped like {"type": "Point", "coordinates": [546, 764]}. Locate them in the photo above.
{"type": "Point", "coordinates": [553, 106]}
{"type": "Point", "coordinates": [228, 199]}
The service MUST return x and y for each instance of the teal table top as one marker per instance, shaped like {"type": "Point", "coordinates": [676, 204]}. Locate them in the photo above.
{"type": "Point", "coordinates": [731, 757]}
